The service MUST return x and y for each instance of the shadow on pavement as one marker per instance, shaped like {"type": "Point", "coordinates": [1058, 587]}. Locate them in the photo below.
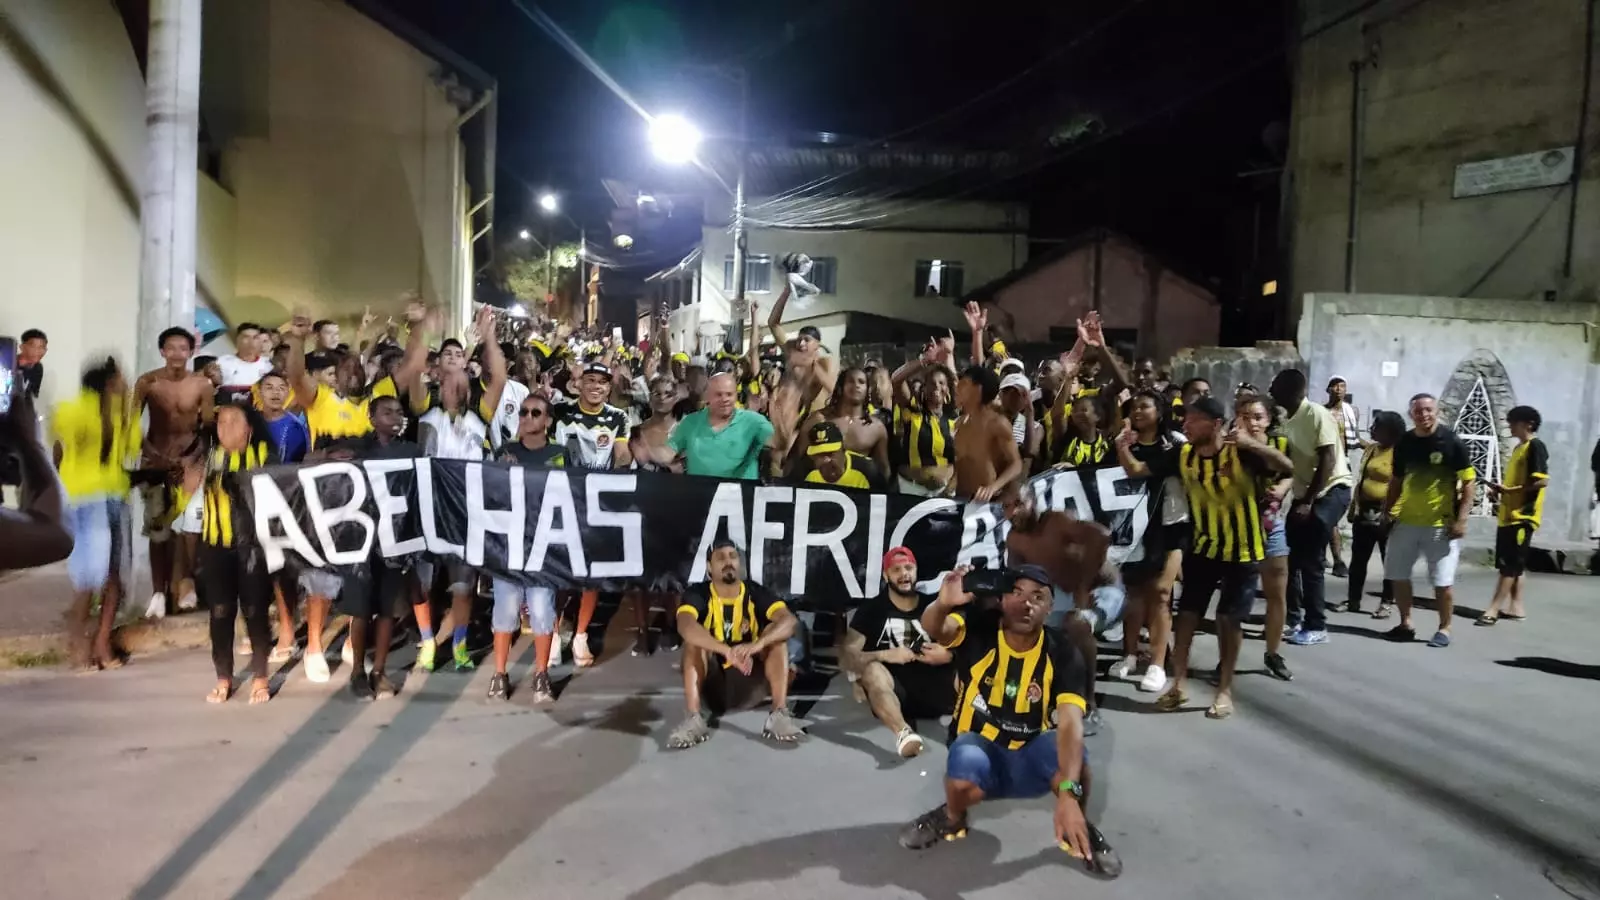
{"type": "Point", "coordinates": [945, 872]}
{"type": "Point", "coordinates": [1552, 667]}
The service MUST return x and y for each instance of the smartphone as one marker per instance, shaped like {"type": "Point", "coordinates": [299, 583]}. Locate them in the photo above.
{"type": "Point", "coordinates": [8, 373]}
{"type": "Point", "coordinates": [985, 582]}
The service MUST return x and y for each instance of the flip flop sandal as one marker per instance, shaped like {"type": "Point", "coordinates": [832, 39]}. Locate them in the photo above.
{"type": "Point", "coordinates": [1487, 620]}
{"type": "Point", "coordinates": [1511, 618]}
{"type": "Point", "coordinates": [280, 654]}
{"type": "Point", "coordinates": [1172, 701]}
{"type": "Point", "coordinates": [1220, 710]}
{"type": "Point", "coordinates": [260, 695]}
{"type": "Point", "coordinates": [1439, 639]}
{"type": "Point", "coordinates": [1384, 611]}
{"type": "Point", "coordinates": [219, 694]}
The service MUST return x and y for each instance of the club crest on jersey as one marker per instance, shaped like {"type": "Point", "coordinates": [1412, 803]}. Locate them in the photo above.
{"type": "Point", "coordinates": [1436, 457]}
{"type": "Point", "coordinates": [1035, 694]}
{"type": "Point", "coordinates": [602, 440]}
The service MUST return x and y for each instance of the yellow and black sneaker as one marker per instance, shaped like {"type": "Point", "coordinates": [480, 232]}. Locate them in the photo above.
{"type": "Point", "coordinates": [932, 827]}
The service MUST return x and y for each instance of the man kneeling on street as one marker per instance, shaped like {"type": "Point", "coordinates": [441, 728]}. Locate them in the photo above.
{"type": "Point", "coordinates": [730, 626]}
{"type": "Point", "coordinates": [1019, 710]}
{"type": "Point", "coordinates": [901, 673]}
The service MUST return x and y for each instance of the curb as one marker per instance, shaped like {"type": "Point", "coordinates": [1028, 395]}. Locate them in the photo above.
{"type": "Point", "coordinates": [141, 637]}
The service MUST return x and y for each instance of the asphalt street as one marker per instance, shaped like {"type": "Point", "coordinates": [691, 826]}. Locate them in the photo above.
{"type": "Point", "coordinates": [1381, 771]}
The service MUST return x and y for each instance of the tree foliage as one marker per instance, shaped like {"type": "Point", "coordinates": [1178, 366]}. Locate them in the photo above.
{"type": "Point", "coordinates": [524, 273]}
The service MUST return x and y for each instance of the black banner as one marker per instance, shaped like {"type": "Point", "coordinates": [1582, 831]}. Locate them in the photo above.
{"type": "Point", "coordinates": [611, 530]}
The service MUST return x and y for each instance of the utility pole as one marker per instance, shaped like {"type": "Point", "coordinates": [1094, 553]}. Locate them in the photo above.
{"type": "Point", "coordinates": [167, 199]}
{"type": "Point", "coordinates": [741, 309]}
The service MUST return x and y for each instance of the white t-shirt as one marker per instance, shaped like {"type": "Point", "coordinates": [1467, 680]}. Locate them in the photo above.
{"type": "Point", "coordinates": [236, 373]}
{"type": "Point", "coordinates": [504, 425]}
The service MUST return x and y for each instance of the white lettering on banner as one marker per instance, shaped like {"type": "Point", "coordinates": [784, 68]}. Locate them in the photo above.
{"type": "Point", "coordinates": [877, 521]}
{"type": "Point", "coordinates": [323, 519]}
{"type": "Point", "coordinates": [269, 505]}
{"type": "Point", "coordinates": [430, 528]}
{"type": "Point", "coordinates": [1063, 492]}
{"type": "Point", "coordinates": [1125, 547]}
{"type": "Point", "coordinates": [481, 520]}
{"type": "Point", "coordinates": [631, 524]}
{"type": "Point", "coordinates": [727, 506]}
{"type": "Point", "coordinates": [916, 514]}
{"type": "Point", "coordinates": [558, 499]}
{"type": "Point", "coordinates": [391, 507]}
{"type": "Point", "coordinates": [804, 540]}
{"type": "Point", "coordinates": [980, 537]}
{"type": "Point", "coordinates": [763, 530]}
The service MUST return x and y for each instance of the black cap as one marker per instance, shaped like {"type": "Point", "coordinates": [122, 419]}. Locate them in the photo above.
{"type": "Point", "coordinates": [825, 437]}
{"type": "Point", "coordinates": [810, 331]}
{"type": "Point", "coordinates": [597, 368]}
{"type": "Point", "coordinates": [1030, 572]}
{"type": "Point", "coordinates": [1208, 406]}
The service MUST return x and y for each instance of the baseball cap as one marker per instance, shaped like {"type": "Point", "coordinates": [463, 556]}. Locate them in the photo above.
{"type": "Point", "coordinates": [1032, 573]}
{"type": "Point", "coordinates": [1210, 407]}
{"type": "Point", "coordinates": [811, 332]}
{"type": "Point", "coordinates": [1337, 379]}
{"type": "Point", "coordinates": [824, 438]}
{"type": "Point", "coordinates": [680, 356]}
{"type": "Point", "coordinates": [898, 555]}
{"type": "Point", "coordinates": [1016, 380]}
{"type": "Point", "coordinates": [597, 368]}
{"type": "Point", "coordinates": [998, 348]}
{"type": "Point", "coordinates": [1013, 364]}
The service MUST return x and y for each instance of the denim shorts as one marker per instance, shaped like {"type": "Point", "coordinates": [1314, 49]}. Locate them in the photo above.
{"type": "Point", "coordinates": [1001, 773]}
{"type": "Point", "coordinates": [99, 539]}
{"type": "Point", "coordinates": [1277, 534]}
{"type": "Point", "coordinates": [510, 598]}
{"type": "Point", "coordinates": [1108, 601]}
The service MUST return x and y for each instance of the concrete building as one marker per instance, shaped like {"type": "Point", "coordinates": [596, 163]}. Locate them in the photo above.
{"type": "Point", "coordinates": [1456, 167]}
{"type": "Point", "coordinates": [1148, 308]}
{"type": "Point", "coordinates": [1480, 358]}
{"type": "Point", "coordinates": [335, 169]}
{"type": "Point", "coordinates": [904, 267]}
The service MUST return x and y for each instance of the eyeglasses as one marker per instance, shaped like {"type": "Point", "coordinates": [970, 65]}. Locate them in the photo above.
{"type": "Point", "coordinates": [530, 412]}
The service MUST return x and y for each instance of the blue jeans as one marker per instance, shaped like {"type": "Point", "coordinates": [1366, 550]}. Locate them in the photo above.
{"type": "Point", "coordinates": [1308, 543]}
{"type": "Point", "coordinates": [99, 538]}
{"type": "Point", "coordinates": [1002, 773]}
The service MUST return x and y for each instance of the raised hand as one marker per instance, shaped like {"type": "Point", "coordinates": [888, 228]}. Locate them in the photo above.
{"type": "Point", "coordinates": [1127, 436]}
{"type": "Point", "coordinates": [300, 324]}
{"type": "Point", "coordinates": [977, 316]}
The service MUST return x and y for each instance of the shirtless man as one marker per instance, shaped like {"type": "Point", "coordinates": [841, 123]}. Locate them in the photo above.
{"type": "Point", "coordinates": [863, 433]}
{"type": "Point", "coordinates": [180, 401]}
{"type": "Point", "coordinates": [808, 380]}
{"type": "Point", "coordinates": [986, 455]}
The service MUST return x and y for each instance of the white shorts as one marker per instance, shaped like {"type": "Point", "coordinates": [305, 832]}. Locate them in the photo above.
{"type": "Point", "coordinates": [1407, 543]}
{"type": "Point", "coordinates": [192, 519]}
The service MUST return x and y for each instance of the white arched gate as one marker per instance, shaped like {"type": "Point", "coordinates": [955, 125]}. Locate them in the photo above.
{"type": "Point", "coordinates": [1475, 425]}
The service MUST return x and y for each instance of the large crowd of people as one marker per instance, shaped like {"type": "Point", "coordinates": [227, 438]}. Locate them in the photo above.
{"type": "Point", "coordinates": [1244, 506]}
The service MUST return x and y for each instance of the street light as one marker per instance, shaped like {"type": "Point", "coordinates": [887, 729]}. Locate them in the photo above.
{"type": "Point", "coordinates": [674, 138]}
{"type": "Point", "coordinates": [525, 234]}
{"type": "Point", "coordinates": [549, 203]}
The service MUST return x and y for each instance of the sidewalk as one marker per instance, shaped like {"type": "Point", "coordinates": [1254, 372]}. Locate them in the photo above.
{"type": "Point", "coordinates": [33, 604]}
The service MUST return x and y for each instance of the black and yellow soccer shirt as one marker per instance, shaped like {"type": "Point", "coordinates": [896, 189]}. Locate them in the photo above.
{"type": "Point", "coordinates": [332, 417]}
{"type": "Point", "coordinates": [1518, 505]}
{"type": "Point", "coordinates": [927, 439]}
{"type": "Point", "coordinates": [1006, 696]}
{"type": "Point", "coordinates": [1429, 469]}
{"type": "Point", "coordinates": [1224, 493]}
{"type": "Point", "coordinates": [739, 620]}
{"type": "Point", "coordinates": [224, 516]}
{"type": "Point", "coordinates": [1079, 453]}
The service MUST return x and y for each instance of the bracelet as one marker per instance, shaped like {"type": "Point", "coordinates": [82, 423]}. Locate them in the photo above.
{"type": "Point", "coordinates": [1068, 786]}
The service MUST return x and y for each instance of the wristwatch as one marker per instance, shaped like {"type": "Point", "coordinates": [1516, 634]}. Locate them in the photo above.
{"type": "Point", "coordinates": [1068, 786]}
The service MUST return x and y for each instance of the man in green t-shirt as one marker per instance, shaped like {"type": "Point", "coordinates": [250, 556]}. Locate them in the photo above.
{"type": "Point", "coordinates": [1429, 498]}
{"type": "Point", "coordinates": [721, 441]}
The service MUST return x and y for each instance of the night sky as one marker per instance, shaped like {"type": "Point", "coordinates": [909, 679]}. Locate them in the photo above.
{"type": "Point", "coordinates": [1171, 100]}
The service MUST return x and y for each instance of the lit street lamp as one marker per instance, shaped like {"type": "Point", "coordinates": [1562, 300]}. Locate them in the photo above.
{"type": "Point", "coordinates": [549, 203]}
{"type": "Point", "coordinates": [674, 139]}
{"type": "Point", "coordinates": [525, 234]}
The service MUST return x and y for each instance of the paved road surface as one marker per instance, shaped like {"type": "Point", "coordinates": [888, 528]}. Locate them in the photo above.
{"type": "Point", "coordinates": [1382, 771]}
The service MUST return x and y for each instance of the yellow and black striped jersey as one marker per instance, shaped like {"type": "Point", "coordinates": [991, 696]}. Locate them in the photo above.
{"type": "Point", "coordinates": [1007, 696]}
{"type": "Point", "coordinates": [224, 516]}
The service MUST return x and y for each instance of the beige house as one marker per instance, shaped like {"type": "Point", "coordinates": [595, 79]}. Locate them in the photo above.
{"type": "Point", "coordinates": [344, 159]}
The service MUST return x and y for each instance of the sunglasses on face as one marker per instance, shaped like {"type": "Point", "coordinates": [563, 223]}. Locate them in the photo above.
{"type": "Point", "coordinates": [530, 412]}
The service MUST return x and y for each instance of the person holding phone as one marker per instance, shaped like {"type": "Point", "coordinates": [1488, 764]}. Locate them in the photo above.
{"type": "Point", "coordinates": [34, 535]}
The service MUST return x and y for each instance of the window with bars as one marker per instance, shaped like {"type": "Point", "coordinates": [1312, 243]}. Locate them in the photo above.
{"type": "Point", "coordinates": [757, 275]}
{"type": "Point", "coordinates": [825, 274]}
{"type": "Point", "coordinates": [939, 278]}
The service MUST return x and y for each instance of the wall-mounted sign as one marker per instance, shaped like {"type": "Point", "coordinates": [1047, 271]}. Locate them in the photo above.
{"type": "Point", "coordinates": [1546, 168]}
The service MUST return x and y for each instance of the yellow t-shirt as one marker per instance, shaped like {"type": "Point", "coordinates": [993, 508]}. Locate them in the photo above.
{"type": "Point", "coordinates": [851, 477]}
{"type": "Point", "coordinates": [90, 467]}
{"type": "Point", "coordinates": [332, 417]}
{"type": "Point", "coordinates": [1377, 470]}
{"type": "Point", "coordinates": [1529, 462]}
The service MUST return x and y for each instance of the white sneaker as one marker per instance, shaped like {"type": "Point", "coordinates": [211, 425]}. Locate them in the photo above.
{"type": "Point", "coordinates": [1154, 681]}
{"type": "Point", "coordinates": [580, 651]}
{"type": "Point", "coordinates": [555, 648]}
{"type": "Point", "coordinates": [188, 602]}
{"type": "Point", "coordinates": [316, 668]}
{"type": "Point", "coordinates": [1124, 670]}
{"type": "Point", "coordinates": [347, 654]}
{"type": "Point", "coordinates": [158, 606]}
{"type": "Point", "coordinates": [908, 743]}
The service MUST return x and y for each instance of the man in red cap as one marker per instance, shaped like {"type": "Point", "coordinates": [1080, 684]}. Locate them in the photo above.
{"type": "Point", "coordinates": [897, 669]}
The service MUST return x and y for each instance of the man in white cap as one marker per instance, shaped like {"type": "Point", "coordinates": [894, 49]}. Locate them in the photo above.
{"type": "Point", "coordinates": [1016, 401]}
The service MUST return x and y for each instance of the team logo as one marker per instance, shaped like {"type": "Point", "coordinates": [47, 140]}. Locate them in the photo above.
{"type": "Point", "coordinates": [602, 440]}
{"type": "Point", "coordinates": [1034, 693]}
{"type": "Point", "coordinates": [1436, 457]}
{"type": "Point", "coordinates": [1011, 690]}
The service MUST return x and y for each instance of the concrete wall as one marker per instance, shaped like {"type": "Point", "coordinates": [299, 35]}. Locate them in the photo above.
{"type": "Point", "coordinates": [876, 268]}
{"type": "Point", "coordinates": [342, 155]}
{"type": "Point", "coordinates": [1539, 354]}
{"type": "Point", "coordinates": [1225, 368]}
{"type": "Point", "coordinates": [1168, 311]}
{"type": "Point", "coordinates": [1451, 81]}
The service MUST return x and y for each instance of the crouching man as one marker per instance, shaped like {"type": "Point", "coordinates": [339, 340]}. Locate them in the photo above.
{"type": "Point", "coordinates": [1019, 713]}
{"type": "Point", "coordinates": [735, 636]}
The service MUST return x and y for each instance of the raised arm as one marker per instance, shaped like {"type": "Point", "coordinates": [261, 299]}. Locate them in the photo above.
{"type": "Point", "coordinates": [1132, 466]}
{"type": "Point", "coordinates": [775, 320]}
{"type": "Point", "coordinates": [494, 360]}
{"type": "Point", "coordinates": [300, 381]}
{"type": "Point", "coordinates": [978, 322]}
{"type": "Point", "coordinates": [936, 618]}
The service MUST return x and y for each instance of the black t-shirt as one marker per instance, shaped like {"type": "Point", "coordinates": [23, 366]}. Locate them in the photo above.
{"type": "Point", "coordinates": [33, 377]}
{"type": "Point", "coordinates": [1010, 697]}
{"type": "Point", "coordinates": [368, 447]}
{"type": "Point", "coordinates": [550, 456]}
{"type": "Point", "coordinates": [737, 621]}
{"type": "Point", "coordinates": [886, 626]}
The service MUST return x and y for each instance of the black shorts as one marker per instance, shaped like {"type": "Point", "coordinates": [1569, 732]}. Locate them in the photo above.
{"type": "Point", "coordinates": [386, 590]}
{"type": "Point", "coordinates": [1511, 544]}
{"type": "Point", "coordinates": [1203, 577]}
{"type": "Point", "coordinates": [924, 695]}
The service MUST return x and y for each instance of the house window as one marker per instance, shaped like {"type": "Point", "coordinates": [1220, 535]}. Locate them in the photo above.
{"type": "Point", "coordinates": [939, 278]}
{"type": "Point", "coordinates": [825, 273]}
{"type": "Point", "coordinates": [757, 275]}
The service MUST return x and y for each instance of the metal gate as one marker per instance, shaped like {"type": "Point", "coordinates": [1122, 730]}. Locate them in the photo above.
{"type": "Point", "coordinates": [1476, 427]}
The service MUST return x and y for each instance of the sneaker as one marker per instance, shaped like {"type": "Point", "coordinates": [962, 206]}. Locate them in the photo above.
{"type": "Point", "coordinates": [908, 743]}
{"type": "Point", "coordinates": [641, 643]}
{"type": "Point", "coordinates": [555, 648]}
{"type": "Point", "coordinates": [361, 686]}
{"type": "Point", "coordinates": [462, 658]}
{"type": "Point", "coordinates": [1113, 635]}
{"type": "Point", "coordinates": [347, 653]}
{"type": "Point", "coordinates": [930, 828]}
{"type": "Point", "coordinates": [1401, 633]}
{"type": "Point", "coordinates": [1290, 630]}
{"type": "Point", "coordinates": [499, 686]}
{"type": "Point", "coordinates": [316, 668]}
{"type": "Point", "coordinates": [1304, 638]}
{"type": "Point", "coordinates": [1340, 570]}
{"type": "Point", "coordinates": [581, 657]}
{"type": "Point", "coordinates": [188, 602]}
{"type": "Point", "coordinates": [382, 687]}
{"type": "Point", "coordinates": [157, 608]}
{"type": "Point", "coordinates": [540, 685]}
{"type": "Point", "coordinates": [781, 727]}
{"type": "Point", "coordinates": [1104, 858]}
{"type": "Point", "coordinates": [425, 654]}
{"type": "Point", "coordinates": [1154, 681]}
{"type": "Point", "coordinates": [1125, 669]}
{"type": "Point", "coordinates": [1277, 666]}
